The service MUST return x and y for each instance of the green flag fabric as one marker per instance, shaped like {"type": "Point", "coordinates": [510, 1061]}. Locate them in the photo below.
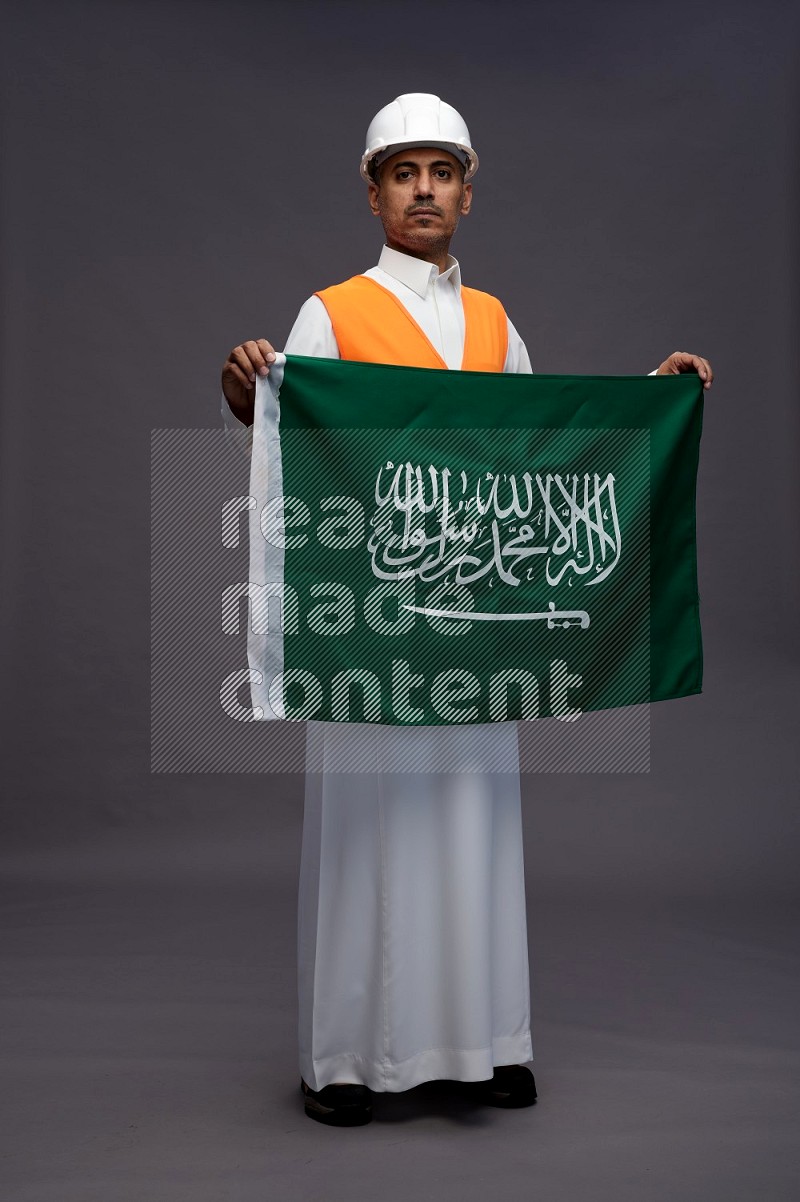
{"type": "Point", "coordinates": [430, 547]}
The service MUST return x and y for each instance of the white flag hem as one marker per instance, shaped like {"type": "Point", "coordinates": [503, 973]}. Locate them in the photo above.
{"type": "Point", "coordinates": [265, 650]}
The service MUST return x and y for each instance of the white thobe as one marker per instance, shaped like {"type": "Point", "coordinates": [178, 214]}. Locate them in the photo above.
{"type": "Point", "coordinates": [412, 934]}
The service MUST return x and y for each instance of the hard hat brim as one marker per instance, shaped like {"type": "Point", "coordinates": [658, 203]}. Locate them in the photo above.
{"type": "Point", "coordinates": [385, 152]}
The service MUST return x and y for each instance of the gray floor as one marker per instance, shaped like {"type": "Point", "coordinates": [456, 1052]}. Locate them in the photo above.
{"type": "Point", "coordinates": [149, 1032]}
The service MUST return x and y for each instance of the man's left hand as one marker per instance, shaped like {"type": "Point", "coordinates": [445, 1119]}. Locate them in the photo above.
{"type": "Point", "coordinates": [682, 361]}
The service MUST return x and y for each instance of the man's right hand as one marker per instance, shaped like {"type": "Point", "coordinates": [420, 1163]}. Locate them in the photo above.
{"type": "Point", "coordinates": [239, 375]}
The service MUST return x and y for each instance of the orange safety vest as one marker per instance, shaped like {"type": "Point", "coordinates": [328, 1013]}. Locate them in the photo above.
{"type": "Point", "coordinates": [371, 325]}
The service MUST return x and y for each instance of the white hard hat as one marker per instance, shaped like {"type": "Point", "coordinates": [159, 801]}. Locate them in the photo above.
{"type": "Point", "coordinates": [417, 119]}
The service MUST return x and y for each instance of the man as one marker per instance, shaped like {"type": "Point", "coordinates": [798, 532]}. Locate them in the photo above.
{"type": "Point", "coordinates": [412, 938]}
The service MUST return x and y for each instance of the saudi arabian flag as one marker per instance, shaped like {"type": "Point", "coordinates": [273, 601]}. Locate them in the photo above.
{"type": "Point", "coordinates": [431, 547]}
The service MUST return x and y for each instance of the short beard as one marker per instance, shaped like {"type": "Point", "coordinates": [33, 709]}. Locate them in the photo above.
{"type": "Point", "coordinates": [434, 244]}
{"type": "Point", "coordinates": [421, 239]}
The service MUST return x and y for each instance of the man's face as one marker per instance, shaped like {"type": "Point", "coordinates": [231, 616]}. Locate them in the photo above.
{"type": "Point", "coordinates": [419, 197]}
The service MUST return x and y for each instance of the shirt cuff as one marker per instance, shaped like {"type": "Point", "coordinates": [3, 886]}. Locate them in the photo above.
{"type": "Point", "coordinates": [229, 418]}
{"type": "Point", "coordinates": [241, 433]}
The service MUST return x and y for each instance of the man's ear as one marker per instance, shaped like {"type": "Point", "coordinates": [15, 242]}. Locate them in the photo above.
{"type": "Point", "coordinates": [466, 200]}
{"type": "Point", "coordinates": [373, 190]}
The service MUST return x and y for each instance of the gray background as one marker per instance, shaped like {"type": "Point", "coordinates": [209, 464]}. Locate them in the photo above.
{"type": "Point", "coordinates": [178, 177]}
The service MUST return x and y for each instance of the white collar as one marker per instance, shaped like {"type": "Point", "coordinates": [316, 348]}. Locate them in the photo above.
{"type": "Point", "coordinates": [416, 273]}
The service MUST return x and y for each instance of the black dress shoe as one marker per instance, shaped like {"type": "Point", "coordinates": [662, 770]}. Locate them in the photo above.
{"type": "Point", "coordinates": [338, 1105]}
{"type": "Point", "coordinates": [511, 1085]}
